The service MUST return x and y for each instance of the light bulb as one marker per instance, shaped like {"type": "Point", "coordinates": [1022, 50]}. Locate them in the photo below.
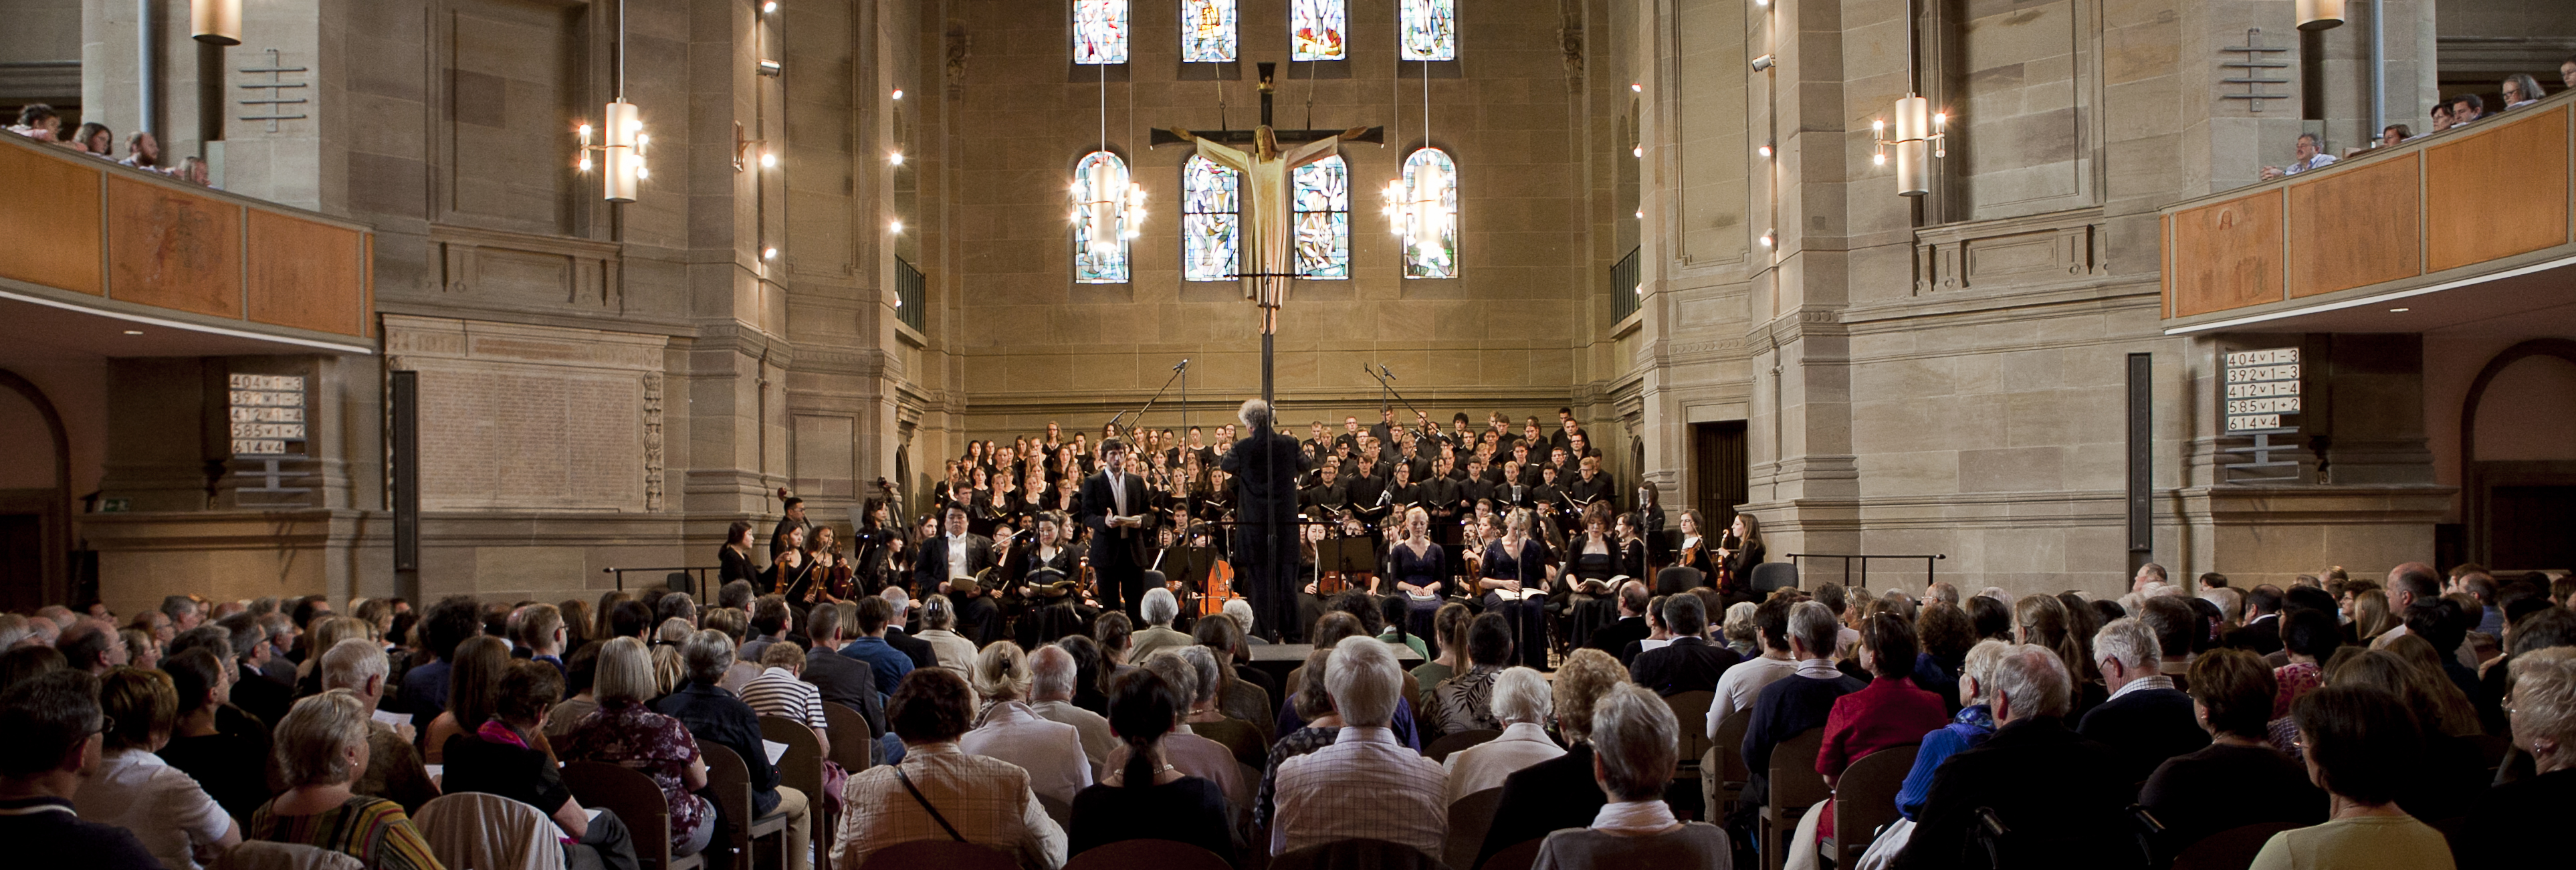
{"type": "Point", "coordinates": [643, 139]}
{"type": "Point", "coordinates": [1637, 150]}
{"type": "Point", "coordinates": [894, 226]}
{"type": "Point", "coordinates": [585, 163]}
{"type": "Point", "coordinates": [771, 6]}
{"type": "Point", "coordinates": [1641, 214]}
{"type": "Point", "coordinates": [584, 131]}
{"type": "Point", "coordinates": [635, 124]}
{"type": "Point", "coordinates": [1940, 119]}
{"type": "Point", "coordinates": [769, 253]}
{"type": "Point", "coordinates": [898, 93]}
{"type": "Point", "coordinates": [1878, 159]}
{"type": "Point", "coordinates": [768, 159]}
{"type": "Point", "coordinates": [895, 158]}
{"type": "Point", "coordinates": [1639, 87]}
{"type": "Point", "coordinates": [641, 172]}
{"type": "Point", "coordinates": [1769, 239]}
{"type": "Point", "coordinates": [1762, 2]}
{"type": "Point", "coordinates": [1764, 150]}
{"type": "Point", "coordinates": [1877, 126]}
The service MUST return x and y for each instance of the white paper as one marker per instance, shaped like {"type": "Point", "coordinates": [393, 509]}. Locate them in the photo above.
{"type": "Point", "coordinates": [590, 814]}
{"type": "Point", "coordinates": [435, 770]}
{"type": "Point", "coordinates": [775, 749]}
{"type": "Point", "coordinates": [391, 718]}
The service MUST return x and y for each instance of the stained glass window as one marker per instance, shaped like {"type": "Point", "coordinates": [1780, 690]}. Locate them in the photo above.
{"type": "Point", "coordinates": [1207, 31]}
{"type": "Point", "coordinates": [1322, 192]}
{"type": "Point", "coordinates": [1431, 217]}
{"type": "Point", "coordinates": [1316, 28]}
{"type": "Point", "coordinates": [1430, 30]}
{"type": "Point", "coordinates": [1099, 31]}
{"type": "Point", "coordinates": [1100, 228]}
{"type": "Point", "coordinates": [1211, 221]}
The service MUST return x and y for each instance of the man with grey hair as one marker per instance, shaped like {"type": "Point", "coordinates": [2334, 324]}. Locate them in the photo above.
{"type": "Point", "coordinates": [1266, 466]}
{"type": "Point", "coordinates": [1522, 701]}
{"type": "Point", "coordinates": [1634, 735]}
{"type": "Point", "coordinates": [253, 690]}
{"type": "Point", "coordinates": [1051, 675]}
{"type": "Point", "coordinates": [1240, 611]}
{"type": "Point", "coordinates": [53, 722]}
{"type": "Point", "coordinates": [2045, 782]}
{"type": "Point", "coordinates": [1797, 703]}
{"type": "Point", "coordinates": [714, 715]}
{"type": "Point", "coordinates": [1365, 785]}
{"type": "Point", "coordinates": [1159, 609]}
{"type": "Point", "coordinates": [2146, 720]}
{"type": "Point", "coordinates": [394, 770]}
{"type": "Point", "coordinates": [1940, 591]}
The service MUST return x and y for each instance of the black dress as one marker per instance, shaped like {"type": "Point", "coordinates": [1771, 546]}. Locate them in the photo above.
{"type": "Point", "coordinates": [1190, 810]}
{"type": "Point", "coordinates": [1528, 617]}
{"type": "Point", "coordinates": [1428, 570]}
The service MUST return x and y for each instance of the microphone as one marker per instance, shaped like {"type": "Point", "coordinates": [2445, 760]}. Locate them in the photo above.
{"type": "Point", "coordinates": [1383, 370]}
{"type": "Point", "coordinates": [1184, 364]}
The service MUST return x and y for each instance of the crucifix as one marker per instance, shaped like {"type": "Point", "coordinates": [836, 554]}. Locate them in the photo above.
{"type": "Point", "coordinates": [1268, 237]}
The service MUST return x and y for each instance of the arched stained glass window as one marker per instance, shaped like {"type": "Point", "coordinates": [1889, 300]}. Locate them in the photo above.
{"type": "Point", "coordinates": [1207, 31]}
{"type": "Point", "coordinates": [1430, 215]}
{"type": "Point", "coordinates": [1099, 31]}
{"type": "Point", "coordinates": [1430, 30]}
{"type": "Point", "coordinates": [1316, 29]}
{"type": "Point", "coordinates": [1322, 195]}
{"type": "Point", "coordinates": [1100, 228]}
{"type": "Point", "coordinates": [1211, 221]}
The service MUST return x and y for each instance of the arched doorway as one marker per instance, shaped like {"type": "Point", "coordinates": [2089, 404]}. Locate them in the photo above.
{"type": "Point", "coordinates": [2518, 465]}
{"type": "Point", "coordinates": [35, 499]}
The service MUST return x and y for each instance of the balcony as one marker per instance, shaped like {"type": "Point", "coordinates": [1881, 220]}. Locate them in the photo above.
{"type": "Point", "coordinates": [2449, 229]}
{"type": "Point", "coordinates": [105, 260]}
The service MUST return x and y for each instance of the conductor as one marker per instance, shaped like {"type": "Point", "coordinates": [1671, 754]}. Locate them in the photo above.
{"type": "Point", "coordinates": [1266, 465]}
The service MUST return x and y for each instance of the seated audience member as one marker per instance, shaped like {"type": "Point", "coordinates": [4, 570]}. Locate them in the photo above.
{"type": "Point", "coordinates": [133, 789]}
{"type": "Point", "coordinates": [1051, 676]}
{"type": "Point", "coordinates": [1890, 712]}
{"type": "Point", "coordinates": [1463, 702]}
{"type": "Point", "coordinates": [394, 771]}
{"type": "Point", "coordinates": [1966, 730]}
{"type": "Point", "coordinates": [2444, 772]}
{"type": "Point", "coordinates": [964, 797]}
{"type": "Point", "coordinates": [254, 691]}
{"type": "Point", "coordinates": [321, 747]}
{"type": "Point", "coordinates": [1159, 611]}
{"type": "Point", "coordinates": [1322, 726]}
{"type": "Point", "coordinates": [2515, 824]}
{"type": "Point", "coordinates": [2239, 779]}
{"type": "Point", "coordinates": [1247, 690]}
{"type": "Point", "coordinates": [1635, 736]}
{"type": "Point", "coordinates": [2262, 629]}
{"type": "Point", "coordinates": [714, 715]}
{"type": "Point", "coordinates": [2146, 720]}
{"type": "Point", "coordinates": [1364, 766]}
{"type": "Point", "coordinates": [500, 758]}
{"type": "Point", "coordinates": [2519, 90]}
{"type": "Point", "coordinates": [1202, 718]}
{"type": "Point", "coordinates": [1630, 627]}
{"type": "Point", "coordinates": [625, 733]}
{"type": "Point", "coordinates": [1690, 663]}
{"type": "Point", "coordinates": [581, 670]}
{"type": "Point", "coordinates": [2358, 740]}
{"type": "Point", "coordinates": [229, 764]}
{"type": "Point", "coordinates": [1146, 798]}
{"type": "Point", "coordinates": [1007, 730]}
{"type": "Point", "coordinates": [46, 763]}
{"type": "Point", "coordinates": [1795, 704]}
{"type": "Point", "coordinates": [870, 645]}
{"type": "Point", "coordinates": [1192, 754]}
{"type": "Point", "coordinates": [779, 691]}
{"type": "Point", "coordinates": [1741, 684]}
{"type": "Point", "coordinates": [1520, 701]}
{"type": "Point", "coordinates": [2059, 793]}
{"type": "Point", "coordinates": [938, 623]}
{"type": "Point", "coordinates": [843, 680]}
{"type": "Point", "coordinates": [474, 675]}
{"type": "Point", "coordinates": [424, 687]}
{"type": "Point", "coordinates": [2311, 155]}
{"type": "Point", "coordinates": [2308, 639]}
{"type": "Point", "coordinates": [1560, 792]}
{"type": "Point", "coordinates": [1737, 629]}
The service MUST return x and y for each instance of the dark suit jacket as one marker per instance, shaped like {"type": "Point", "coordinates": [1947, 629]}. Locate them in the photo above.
{"type": "Point", "coordinates": [1688, 664]}
{"type": "Point", "coordinates": [1616, 636]}
{"type": "Point", "coordinates": [2079, 812]}
{"type": "Point", "coordinates": [2145, 727]}
{"type": "Point", "coordinates": [2263, 635]}
{"type": "Point", "coordinates": [1132, 546]}
{"type": "Point", "coordinates": [848, 682]}
{"type": "Point", "coordinates": [930, 562]}
{"type": "Point", "coordinates": [1552, 794]}
{"type": "Point", "coordinates": [916, 648]}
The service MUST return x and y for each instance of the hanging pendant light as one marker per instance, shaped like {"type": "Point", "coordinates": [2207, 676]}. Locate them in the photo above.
{"type": "Point", "coordinates": [2320, 14]}
{"type": "Point", "coordinates": [1921, 134]}
{"type": "Point", "coordinates": [622, 137]}
{"type": "Point", "coordinates": [215, 22]}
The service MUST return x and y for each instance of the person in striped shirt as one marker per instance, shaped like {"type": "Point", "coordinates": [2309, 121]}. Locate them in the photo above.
{"type": "Point", "coordinates": [780, 690]}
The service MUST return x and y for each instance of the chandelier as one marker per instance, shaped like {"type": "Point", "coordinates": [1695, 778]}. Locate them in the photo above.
{"type": "Point", "coordinates": [1108, 207]}
{"type": "Point", "coordinates": [1918, 129]}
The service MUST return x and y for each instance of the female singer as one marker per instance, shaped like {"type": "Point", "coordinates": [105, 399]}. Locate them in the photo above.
{"type": "Point", "coordinates": [1694, 554]}
{"type": "Point", "coordinates": [1650, 529]}
{"type": "Point", "coordinates": [975, 455]}
{"type": "Point", "coordinates": [1739, 552]}
{"type": "Point", "coordinates": [832, 570]}
{"type": "Point", "coordinates": [870, 542]}
{"type": "Point", "coordinates": [1417, 565]}
{"type": "Point", "coordinates": [733, 560]}
{"type": "Point", "coordinates": [1585, 592]}
{"type": "Point", "coordinates": [791, 567]}
{"type": "Point", "coordinates": [981, 502]}
{"type": "Point", "coordinates": [1632, 547]}
{"type": "Point", "coordinates": [1514, 567]}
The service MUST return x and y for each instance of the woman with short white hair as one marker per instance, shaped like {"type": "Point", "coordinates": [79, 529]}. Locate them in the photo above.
{"type": "Point", "coordinates": [1523, 702]}
{"type": "Point", "coordinates": [2515, 824]}
{"type": "Point", "coordinates": [1635, 740]}
{"type": "Point", "coordinates": [938, 621]}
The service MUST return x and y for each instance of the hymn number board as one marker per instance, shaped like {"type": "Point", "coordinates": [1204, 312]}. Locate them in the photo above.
{"type": "Point", "coordinates": [2261, 398]}
{"type": "Point", "coordinates": [268, 426]}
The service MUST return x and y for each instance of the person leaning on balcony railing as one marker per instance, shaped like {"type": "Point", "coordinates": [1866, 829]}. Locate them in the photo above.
{"type": "Point", "coordinates": [37, 121]}
{"type": "Point", "coordinates": [2466, 108]}
{"type": "Point", "coordinates": [2519, 90]}
{"type": "Point", "coordinates": [2311, 156]}
{"type": "Point", "coordinates": [2567, 72]}
{"type": "Point", "coordinates": [2389, 137]}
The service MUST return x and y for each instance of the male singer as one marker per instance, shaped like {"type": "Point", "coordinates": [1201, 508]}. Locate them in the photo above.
{"type": "Point", "coordinates": [1114, 505]}
{"type": "Point", "coordinates": [1266, 465]}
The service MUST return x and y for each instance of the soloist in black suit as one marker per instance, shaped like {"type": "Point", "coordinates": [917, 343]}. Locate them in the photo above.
{"type": "Point", "coordinates": [1118, 555]}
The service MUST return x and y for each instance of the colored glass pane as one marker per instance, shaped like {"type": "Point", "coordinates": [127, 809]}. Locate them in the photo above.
{"type": "Point", "coordinates": [1316, 29]}
{"type": "Point", "coordinates": [1431, 215]}
{"type": "Point", "coordinates": [1099, 221]}
{"type": "Point", "coordinates": [1207, 31]}
{"type": "Point", "coordinates": [1321, 192]}
{"type": "Point", "coordinates": [1211, 221]}
{"type": "Point", "coordinates": [1429, 30]}
{"type": "Point", "coordinates": [1099, 31]}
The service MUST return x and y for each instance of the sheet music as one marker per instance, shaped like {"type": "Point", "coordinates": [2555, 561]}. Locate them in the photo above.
{"type": "Point", "coordinates": [775, 749]}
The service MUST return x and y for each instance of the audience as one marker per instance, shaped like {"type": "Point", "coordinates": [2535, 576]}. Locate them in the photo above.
{"type": "Point", "coordinates": [1147, 797]}
{"type": "Point", "coordinates": [1966, 730]}
{"type": "Point", "coordinates": [1635, 736]}
{"type": "Point", "coordinates": [841, 679]}
{"type": "Point", "coordinates": [938, 792]}
{"type": "Point", "coordinates": [781, 691]}
{"type": "Point", "coordinates": [1203, 717]}
{"type": "Point", "coordinates": [870, 645]}
{"type": "Point", "coordinates": [1192, 754]}
{"type": "Point", "coordinates": [2079, 813]}
{"type": "Point", "coordinates": [2239, 779]}
{"type": "Point", "coordinates": [1890, 712]}
{"type": "Point", "coordinates": [394, 769]}
{"type": "Point", "coordinates": [714, 715]}
{"type": "Point", "coordinates": [953, 650]}
{"type": "Point", "coordinates": [1051, 676]}
{"type": "Point", "coordinates": [226, 762]}
{"type": "Point", "coordinates": [624, 732]}
{"type": "Point", "coordinates": [321, 748]}
{"type": "Point", "coordinates": [2356, 739]}
{"type": "Point", "coordinates": [132, 788]}
{"type": "Point", "coordinates": [1365, 767]}
{"type": "Point", "coordinates": [1690, 663]}
{"type": "Point", "coordinates": [2515, 824]}
{"type": "Point", "coordinates": [1794, 704]}
{"type": "Point", "coordinates": [2146, 720]}
{"type": "Point", "coordinates": [500, 758]}
{"type": "Point", "coordinates": [1007, 730]}
{"type": "Point", "coordinates": [1519, 699]}
{"type": "Point", "coordinates": [1560, 792]}
{"type": "Point", "coordinates": [52, 718]}
{"type": "Point", "coordinates": [1464, 702]}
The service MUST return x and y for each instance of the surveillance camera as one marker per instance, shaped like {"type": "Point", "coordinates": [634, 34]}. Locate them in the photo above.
{"type": "Point", "coordinates": [1762, 63]}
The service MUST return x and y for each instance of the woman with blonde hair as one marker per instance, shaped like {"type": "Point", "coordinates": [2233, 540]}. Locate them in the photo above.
{"type": "Point", "coordinates": [670, 669]}
{"type": "Point", "coordinates": [321, 747]}
{"type": "Point", "coordinates": [2370, 616]}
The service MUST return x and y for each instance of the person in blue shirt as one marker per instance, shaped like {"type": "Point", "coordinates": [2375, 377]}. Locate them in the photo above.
{"type": "Point", "coordinates": [871, 647]}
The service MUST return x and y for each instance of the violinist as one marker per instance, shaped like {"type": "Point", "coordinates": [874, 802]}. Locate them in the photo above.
{"type": "Point", "coordinates": [1419, 569]}
{"type": "Point", "coordinates": [791, 568]}
{"type": "Point", "coordinates": [1739, 551]}
{"type": "Point", "coordinates": [1310, 565]}
{"type": "Point", "coordinates": [832, 571]}
{"type": "Point", "coordinates": [1694, 554]}
{"type": "Point", "coordinates": [733, 560]}
{"type": "Point", "coordinates": [792, 516]}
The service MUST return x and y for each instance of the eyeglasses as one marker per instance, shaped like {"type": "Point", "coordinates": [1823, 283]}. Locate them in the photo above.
{"type": "Point", "coordinates": [106, 724]}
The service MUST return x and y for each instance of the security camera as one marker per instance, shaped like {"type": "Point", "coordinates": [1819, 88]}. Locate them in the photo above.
{"type": "Point", "coordinates": [1762, 63]}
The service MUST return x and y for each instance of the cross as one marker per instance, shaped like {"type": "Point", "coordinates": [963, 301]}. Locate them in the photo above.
{"type": "Point", "coordinates": [1265, 167]}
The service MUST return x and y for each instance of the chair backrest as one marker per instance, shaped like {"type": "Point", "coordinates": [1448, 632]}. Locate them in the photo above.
{"type": "Point", "coordinates": [1356, 854]}
{"type": "Point", "coordinates": [1794, 780]}
{"type": "Point", "coordinates": [2231, 849]}
{"type": "Point", "coordinates": [1676, 579]}
{"type": "Point", "coordinates": [489, 832]}
{"type": "Point", "coordinates": [1057, 809]}
{"type": "Point", "coordinates": [1774, 575]}
{"type": "Point", "coordinates": [1730, 744]}
{"type": "Point", "coordinates": [802, 767]}
{"type": "Point", "coordinates": [1519, 856]}
{"type": "Point", "coordinates": [1691, 709]}
{"type": "Point", "coordinates": [942, 854]}
{"type": "Point", "coordinates": [1865, 798]}
{"type": "Point", "coordinates": [1450, 744]}
{"type": "Point", "coordinates": [851, 737]}
{"type": "Point", "coordinates": [1155, 854]}
{"type": "Point", "coordinates": [729, 786]}
{"type": "Point", "coordinates": [635, 799]}
{"type": "Point", "coordinates": [264, 855]}
{"type": "Point", "coordinates": [1470, 816]}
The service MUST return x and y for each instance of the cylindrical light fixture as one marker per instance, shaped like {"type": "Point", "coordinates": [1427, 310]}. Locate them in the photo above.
{"type": "Point", "coordinates": [2320, 14]}
{"type": "Point", "coordinates": [1918, 130]}
{"type": "Point", "coordinates": [215, 22]}
{"type": "Point", "coordinates": [623, 154]}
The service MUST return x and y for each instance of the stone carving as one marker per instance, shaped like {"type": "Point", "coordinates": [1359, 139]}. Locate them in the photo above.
{"type": "Point", "coordinates": [653, 441]}
{"type": "Point", "coordinates": [960, 45]}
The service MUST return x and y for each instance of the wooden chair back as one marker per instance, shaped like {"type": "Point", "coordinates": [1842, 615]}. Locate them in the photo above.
{"type": "Point", "coordinates": [1865, 798]}
{"type": "Point", "coordinates": [2231, 849]}
{"type": "Point", "coordinates": [1519, 856]}
{"type": "Point", "coordinates": [802, 767]}
{"type": "Point", "coordinates": [853, 744]}
{"type": "Point", "coordinates": [1691, 709]}
{"type": "Point", "coordinates": [637, 801]}
{"type": "Point", "coordinates": [1155, 854]}
{"type": "Point", "coordinates": [941, 854]}
{"type": "Point", "coordinates": [730, 782]}
{"type": "Point", "coordinates": [1795, 789]}
{"type": "Point", "coordinates": [1470, 816]}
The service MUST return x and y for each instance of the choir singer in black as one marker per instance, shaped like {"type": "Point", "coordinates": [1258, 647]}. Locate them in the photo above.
{"type": "Point", "coordinates": [1266, 466]}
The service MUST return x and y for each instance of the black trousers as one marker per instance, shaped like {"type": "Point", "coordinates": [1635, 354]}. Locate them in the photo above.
{"type": "Point", "coordinates": [1122, 581]}
{"type": "Point", "coordinates": [1269, 580]}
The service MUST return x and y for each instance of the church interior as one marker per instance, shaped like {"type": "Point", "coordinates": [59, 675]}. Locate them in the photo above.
{"type": "Point", "coordinates": [555, 300]}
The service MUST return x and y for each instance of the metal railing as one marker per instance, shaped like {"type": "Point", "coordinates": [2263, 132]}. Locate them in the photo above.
{"type": "Point", "coordinates": [1863, 581]}
{"type": "Point", "coordinates": [698, 576]}
{"type": "Point", "coordinates": [907, 294]}
{"type": "Point", "coordinates": [1627, 291]}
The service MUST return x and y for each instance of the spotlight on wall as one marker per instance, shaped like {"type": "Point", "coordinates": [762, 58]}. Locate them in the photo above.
{"type": "Point", "coordinates": [770, 253]}
{"type": "Point", "coordinates": [1770, 238]}
{"type": "Point", "coordinates": [771, 6]}
{"type": "Point", "coordinates": [898, 93]}
{"type": "Point", "coordinates": [1639, 87]}
{"type": "Point", "coordinates": [1764, 149]}
{"type": "Point", "coordinates": [895, 158]}
{"type": "Point", "coordinates": [1637, 150]}
{"type": "Point", "coordinates": [1762, 63]}
{"type": "Point", "coordinates": [769, 68]}
{"type": "Point", "coordinates": [768, 160]}
{"type": "Point", "coordinates": [895, 226]}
